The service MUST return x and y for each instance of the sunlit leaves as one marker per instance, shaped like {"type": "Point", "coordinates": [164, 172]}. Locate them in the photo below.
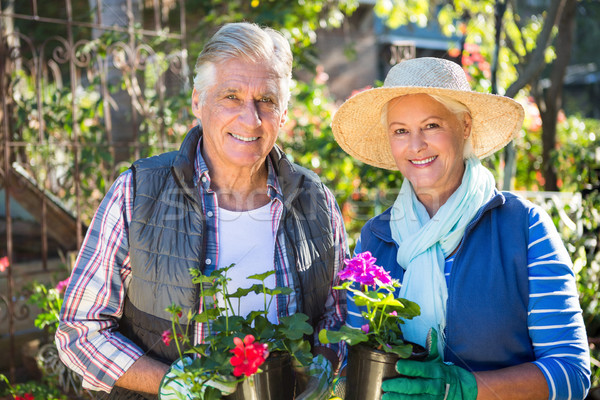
{"type": "Point", "coordinates": [403, 12]}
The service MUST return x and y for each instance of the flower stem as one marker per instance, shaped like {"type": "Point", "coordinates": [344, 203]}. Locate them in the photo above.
{"type": "Point", "coordinates": [176, 338]}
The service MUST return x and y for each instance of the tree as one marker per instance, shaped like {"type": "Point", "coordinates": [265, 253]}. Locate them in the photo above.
{"type": "Point", "coordinates": [522, 43]}
{"type": "Point", "coordinates": [298, 20]}
{"type": "Point", "coordinates": [549, 100]}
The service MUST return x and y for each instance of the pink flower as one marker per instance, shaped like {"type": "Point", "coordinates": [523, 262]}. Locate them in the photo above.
{"type": "Point", "coordinates": [357, 91]}
{"type": "Point", "coordinates": [62, 285]}
{"type": "Point", "coordinates": [248, 356]}
{"type": "Point", "coordinates": [394, 313]}
{"type": "Point", "coordinates": [167, 337]}
{"type": "Point", "coordinates": [4, 264]}
{"type": "Point", "coordinates": [362, 269]}
{"type": "Point", "coordinates": [365, 328]}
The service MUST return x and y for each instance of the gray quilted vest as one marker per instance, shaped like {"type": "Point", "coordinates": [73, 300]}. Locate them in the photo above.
{"type": "Point", "coordinates": [166, 239]}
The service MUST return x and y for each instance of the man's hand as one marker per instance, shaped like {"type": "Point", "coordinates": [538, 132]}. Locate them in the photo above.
{"type": "Point", "coordinates": [430, 379]}
{"type": "Point", "coordinates": [175, 387]}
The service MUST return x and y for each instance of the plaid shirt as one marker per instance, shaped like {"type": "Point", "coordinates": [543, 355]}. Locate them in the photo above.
{"type": "Point", "coordinates": [87, 339]}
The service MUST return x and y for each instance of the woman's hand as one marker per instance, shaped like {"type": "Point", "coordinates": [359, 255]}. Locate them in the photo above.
{"type": "Point", "coordinates": [432, 379]}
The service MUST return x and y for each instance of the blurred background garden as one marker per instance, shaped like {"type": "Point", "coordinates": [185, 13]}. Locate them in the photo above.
{"type": "Point", "coordinates": [88, 86]}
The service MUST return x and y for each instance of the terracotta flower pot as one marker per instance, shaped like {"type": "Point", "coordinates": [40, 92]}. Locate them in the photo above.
{"type": "Point", "coordinates": [368, 368]}
{"type": "Point", "coordinates": [275, 382]}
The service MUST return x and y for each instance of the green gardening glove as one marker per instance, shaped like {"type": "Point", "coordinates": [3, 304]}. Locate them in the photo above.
{"type": "Point", "coordinates": [430, 379]}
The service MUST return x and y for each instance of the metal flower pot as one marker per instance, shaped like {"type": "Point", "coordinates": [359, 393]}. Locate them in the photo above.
{"type": "Point", "coordinates": [368, 368]}
{"type": "Point", "coordinates": [275, 382]}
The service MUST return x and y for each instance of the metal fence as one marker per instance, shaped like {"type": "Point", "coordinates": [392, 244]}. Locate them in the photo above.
{"type": "Point", "coordinates": [87, 86]}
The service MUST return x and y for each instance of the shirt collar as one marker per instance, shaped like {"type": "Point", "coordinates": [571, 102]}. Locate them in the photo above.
{"type": "Point", "coordinates": [202, 176]}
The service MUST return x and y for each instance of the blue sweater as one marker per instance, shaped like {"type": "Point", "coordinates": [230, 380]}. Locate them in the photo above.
{"type": "Point", "coordinates": [512, 296]}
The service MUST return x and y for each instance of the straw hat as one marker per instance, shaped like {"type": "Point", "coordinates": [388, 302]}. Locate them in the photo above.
{"type": "Point", "coordinates": [358, 128]}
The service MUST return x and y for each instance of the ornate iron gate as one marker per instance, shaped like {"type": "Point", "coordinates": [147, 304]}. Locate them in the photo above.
{"type": "Point", "coordinates": [86, 87]}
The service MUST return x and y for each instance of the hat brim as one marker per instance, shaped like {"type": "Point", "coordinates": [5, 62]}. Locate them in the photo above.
{"type": "Point", "coordinates": [358, 129]}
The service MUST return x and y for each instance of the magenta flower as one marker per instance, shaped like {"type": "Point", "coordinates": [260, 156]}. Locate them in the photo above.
{"type": "Point", "coordinates": [166, 337]}
{"type": "Point", "coordinates": [62, 285]}
{"type": "Point", "coordinates": [365, 328]}
{"type": "Point", "coordinates": [362, 269]}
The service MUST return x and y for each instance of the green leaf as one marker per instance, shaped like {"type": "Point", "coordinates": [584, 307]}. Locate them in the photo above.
{"type": "Point", "coordinates": [198, 277]}
{"type": "Point", "coordinates": [210, 393]}
{"type": "Point", "coordinates": [370, 298]}
{"type": "Point", "coordinates": [295, 326]}
{"type": "Point", "coordinates": [202, 349]}
{"type": "Point", "coordinates": [390, 300]}
{"type": "Point", "coordinates": [241, 292]}
{"type": "Point", "coordinates": [409, 309]}
{"type": "Point", "coordinates": [264, 328]}
{"type": "Point", "coordinates": [231, 323]}
{"type": "Point", "coordinates": [208, 315]}
{"type": "Point", "coordinates": [263, 276]}
{"type": "Point", "coordinates": [349, 335]}
{"type": "Point", "coordinates": [255, 314]}
{"type": "Point", "coordinates": [279, 290]}
{"type": "Point", "coordinates": [403, 350]}
{"type": "Point", "coordinates": [300, 350]}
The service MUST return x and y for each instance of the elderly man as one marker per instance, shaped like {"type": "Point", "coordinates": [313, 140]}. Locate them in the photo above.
{"type": "Point", "coordinates": [172, 212]}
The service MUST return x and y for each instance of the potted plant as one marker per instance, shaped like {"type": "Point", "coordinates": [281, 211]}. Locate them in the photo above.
{"type": "Point", "coordinates": [249, 350]}
{"type": "Point", "coordinates": [374, 348]}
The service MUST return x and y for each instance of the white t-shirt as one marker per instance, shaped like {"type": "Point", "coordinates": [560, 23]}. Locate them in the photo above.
{"type": "Point", "coordinates": [246, 239]}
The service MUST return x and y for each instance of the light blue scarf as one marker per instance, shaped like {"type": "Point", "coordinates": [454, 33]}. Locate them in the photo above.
{"type": "Point", "coordinates": [425, 242]}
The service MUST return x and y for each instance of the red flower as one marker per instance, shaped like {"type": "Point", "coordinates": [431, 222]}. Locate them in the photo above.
{"type": "Point", "coordinates": [4, 263]}
{"type": "Point", "coordinates": [166, 337]}
{"type": "Point", "coordinates": [26, 396]}
{"type": "Point", "coordinates": [248, 355]}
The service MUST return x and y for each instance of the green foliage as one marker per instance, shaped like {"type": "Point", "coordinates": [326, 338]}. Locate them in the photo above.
{"type": "Point", "coordinates": [474, 23]}
{"type": "Point", "coordinates": [404, 12]}
{"type": "Point", "coordinates": [297, 20]}
{"type": "Point", "coordinates": [31, 390]}
{"type": "Point", "coordinates": [66, 146]}
{"type": "Point", "coordinates": [224, 325]}
{"type": "Point", "coordinates": [384, 313]}
{"type": "Point", "coordinates": [48, 156]}
{"type": "Point", "coordinates": [374, 292]}
{"type": "Point", "coordinates": [57, 378]}
{"type": "Point", "coordinates": [362, 191]}
{"type": "Point", "coordinates": [576, 156]}
{"type": "Point", "coordinates": [48, 299]}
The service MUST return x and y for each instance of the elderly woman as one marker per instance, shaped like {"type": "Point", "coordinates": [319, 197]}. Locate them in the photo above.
{"type": "Point", "coordinates": [488, 268]}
